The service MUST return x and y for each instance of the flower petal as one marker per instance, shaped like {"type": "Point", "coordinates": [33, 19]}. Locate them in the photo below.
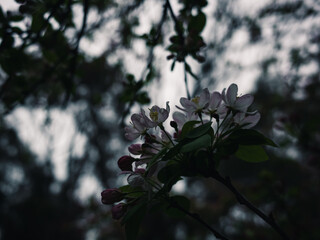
{"type": "Point", "coordinates": [188, 105]}
{"type": "Point", "coordinates": [204, 98]}
{"type": "Point", "coordinates": [242, 103]}
{"type": "Point", "coordinates": [251, 121]}
{"type": "Point", "coordinates": [179, 118]}
{"type": "Point", "coordinates": [232, 94]}
{"type": "Point", "coordinates": [215, 100]}
{"type": "Point", "coordinates": [131, 133]}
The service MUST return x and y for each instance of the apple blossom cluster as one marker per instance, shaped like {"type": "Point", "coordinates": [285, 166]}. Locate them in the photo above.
{"type": "Point", "coordinates": [222, 112]}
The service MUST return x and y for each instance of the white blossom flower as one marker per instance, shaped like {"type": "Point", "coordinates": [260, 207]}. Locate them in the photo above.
{"type": "Point", "coordinates": [159, 115]}
{"type": "Point", "coordinates": [196, 104]}
{"type": "Point", "coordinates": [140, 124]}
{"type": "Point", "coordinates": [234, 102]}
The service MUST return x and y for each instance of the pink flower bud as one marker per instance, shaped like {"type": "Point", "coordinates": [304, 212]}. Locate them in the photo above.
{"type": "Point", "coordinates": [135, 149]}
{"type": "Point", "coordinates": [112, 195]}
{"type": "Point", "coordinates": [125, 163]}
{"type": "Point", "coordinates": [118, 211]}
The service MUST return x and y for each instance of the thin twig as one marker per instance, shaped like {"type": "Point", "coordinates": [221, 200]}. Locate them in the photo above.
{"type": "Point", "coordinates": [150, 59]}
{"type": "Point", "coordinates": [74, 60]}
{"type": "Point", "coordinates": [186, 80]}
{"type": "Point", "coordinates": [197, 218]}
{"type": "Point", "coordinates": [242, 200]}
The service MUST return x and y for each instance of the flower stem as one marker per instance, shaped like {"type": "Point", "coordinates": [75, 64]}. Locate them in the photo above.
{"type": "Point", "coordinates": [165, 132]}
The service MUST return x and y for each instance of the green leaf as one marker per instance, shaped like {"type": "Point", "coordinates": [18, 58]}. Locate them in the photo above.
{"type": "Point", "coordinates": [133, 219]}
{"type": "Point", "coordinates": [168, 172]}
{"type": "Point", "coordinates": [157, 157]}
{"type": "Point", "coordinates": [172, 152]}
{"type": "Point", "coordinates": [187, 127]}
{"type": "Point", "coordinates": [250, 137]}
{"type": "Point", "coordinates": [201, 142]}
{"type": "Point", "coordinates": [174, 48]}
{"type": "Point", "coordinates": [175, 39]}
{"type": "Point", "coordinates": [37, 22]}
{"type": "Point", "coordinates": [251, 153]}
{"type": "Point", "coordinates": [199, 131]}
{"type": "Point", "coordinates": [16, 18]}
{"type": "Point", "coordinates": [197, 23]}
{"type": "Point", "coordinates": [132, 192]}
{"type": "Point", "coordinates": [182, 201]}
{"type": "Point", "coordinates": [202, 164]}
{"type": "Point", "coordinates": [143, 98]}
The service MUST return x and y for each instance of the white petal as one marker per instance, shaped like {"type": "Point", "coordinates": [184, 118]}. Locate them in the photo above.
{"type": "Point", "coordinates": [204, 97]}
{"type": "Point", "coordinates": [131, 133]}
{"type": "Point", "coordinates": [232, 94]}
{"type": "Point", "coordinates": [179, 118]}
{"type": "Point", "coordinates": [239, 117]}
{"type": "Point", "coordinates": [242, 103]}
{"type": "Point", "coordinates": [223, 95]}
{"type": "Point", "coordinates": [188, 105]}
{"type": "Point", "coordinates": [251, 120]}
{"type": "Point", "coordinates": [215, 100]}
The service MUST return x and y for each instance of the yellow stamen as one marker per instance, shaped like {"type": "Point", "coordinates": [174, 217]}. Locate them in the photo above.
{"type": "Point", "coordinates": [154, 116]}
{"type": "Point", "coordinates": [196, 99]}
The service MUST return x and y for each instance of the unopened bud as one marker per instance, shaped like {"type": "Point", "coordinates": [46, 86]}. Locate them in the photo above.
{"type": "Point", "coordinates": [200, 58]}
{"type": "Point", "coordinates": [135, 149]}
{"type": "Point", "coordinates": [174, 125]}
{"type": "Point", "coordinates": [125, 163]}
{"type": "Point", "coordinates": [112, 195]}
{"type": "Point", "coordinates": [118, 211]}
{"type": "Point", "coordinates": [170, 56]}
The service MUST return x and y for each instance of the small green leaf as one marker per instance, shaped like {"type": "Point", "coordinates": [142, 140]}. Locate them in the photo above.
{"type": "Point", "coordinates": [143, 98]}
{"type": "Point", "coordinates": [251, 153]}
{"type": "Point", "coordinates": [132, 192]}
{"type": "Point", "coordinates": [250, 137]}
{"type": "Point", "coordinates": [37, 22]}
{"type": "Point", "coordinates": [172, 152]}
{"type": "Point", "coordinates": [201, 163]}
{"type": "Point", "coordinates": [197, 23]}
{"type": "Point", "coordinates": [187, 127]}
{"type": "Point", "coordinates": [201, 142]}
{"type": "Point", "coordinates": [168, 172]}
{"type": "Point", "coordinates": [157, 157]}
{"type": "Point", "coordinates": [199, 131]}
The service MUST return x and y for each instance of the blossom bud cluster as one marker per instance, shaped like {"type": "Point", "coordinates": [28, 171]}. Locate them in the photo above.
{"type": "Point", "coordinates": [225, 111]}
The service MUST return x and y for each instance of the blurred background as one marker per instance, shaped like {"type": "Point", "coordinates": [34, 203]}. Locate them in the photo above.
{"type": "Point", "coordinates": [72, 72]}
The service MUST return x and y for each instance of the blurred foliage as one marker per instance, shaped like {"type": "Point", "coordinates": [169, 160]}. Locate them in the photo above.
{"type": "Point", "coordinates": [43, 66]}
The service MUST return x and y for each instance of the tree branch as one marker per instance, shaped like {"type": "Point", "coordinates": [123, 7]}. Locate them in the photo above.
{"type": "Point", "coordinates": [242, 200]}
{"type": "Point", "coordinates": [197, 218]}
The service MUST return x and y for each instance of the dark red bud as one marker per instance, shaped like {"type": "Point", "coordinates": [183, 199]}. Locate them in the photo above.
{"type": "Point", "coordinates": [170, 56]}
{"type": "Point", "coordinates": [112, 195]}
{"type": "Point", "coordinates": [149, 139]}
{"type": "Point", "coordinates": [118, 211]}
{"type": "Point", "coordinates": [173, 124]}
{"type": "Point", "coordinates": [125, 163]}
{"type": "Point", "coordinates": [200, 58]}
